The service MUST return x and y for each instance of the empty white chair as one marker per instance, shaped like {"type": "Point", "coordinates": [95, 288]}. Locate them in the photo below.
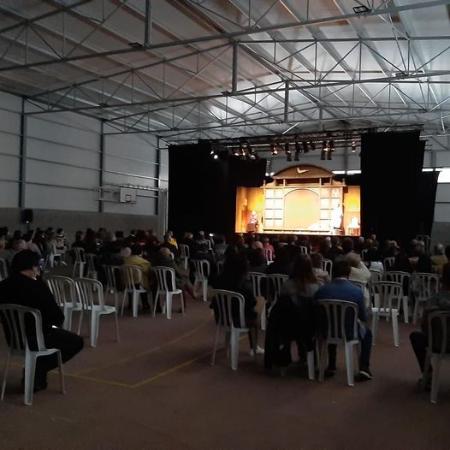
{"type": "Point", "coordinates": [342, 328]}
{"type": "Point", "coordinates": [3, 269]}
{"type": "Point", "coordinates": [423, 286]}
{"type": "Point", "coordinates": [133, 277]}
{"type": "Point", "coordinates": [388, 298]}
{"type": "Point", "coordinates": [256, 278]}
{"type": "Point", "coordinates": [91, 295]}
{"type": "Point", "coordinates": [327, 266]}
{"type": "Point", "coordinates": [80, 261]}
{"type": "Point", "coordinates": [185, 254]}
{"type": "Point", "coordinates": [233, 325]}
{"type": "Point", "coordinates": [201, 273]}
{"type": "Point", "coordinates": [437, 349]}
{"type": "Point", "coordinates": [167, 287]}
{"type": "Point", "coordinates": [13, 320]}
{"type": "Point", "coordinates": [65, 293]}
{"type": "Point", "coordinates": [402, 278]}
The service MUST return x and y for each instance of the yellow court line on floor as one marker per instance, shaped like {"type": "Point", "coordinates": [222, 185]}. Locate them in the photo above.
{"type": "Point", "coordinates": [100, 380]}
{"type": "Point", "coordinates": [143, 353]}
{"type": "Point", "coordinates": [169, 371]}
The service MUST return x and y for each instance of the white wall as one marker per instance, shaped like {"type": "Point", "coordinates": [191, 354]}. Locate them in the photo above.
{"type": "Point", "coordinates": [63, 162]}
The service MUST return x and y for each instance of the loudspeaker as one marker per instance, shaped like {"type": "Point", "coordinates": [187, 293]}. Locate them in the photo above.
{"type": "Point", "coordinates": [27, 215]}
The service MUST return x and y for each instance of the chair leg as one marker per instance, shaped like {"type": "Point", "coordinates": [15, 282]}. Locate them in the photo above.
{"type": "Point", "coordinates": [310, 360]}
{"type": "Point", "coordinates": [155, 302]}
{"type": "Point", "coordinates": [94, 329]}
{"type": "Point", "coordinates": [125, 292]}
{"type": "Point", "coordinates": [5, 373]}
{"type": "Point", "coordinates": [67, 319]}
{"type": "Point", "coordinates": [61, 373]}
{"type": "Point", "coordinates": [416, 312]}
{"type": "Point", "coordinates": [205, 290]}
{"type": "Point", "coordinates": [264, 317]}
{"type": "Point", "coordinates": [116, 321]}
{"type": "Point", "coordinates": [349, 364]}
{"type": "Point", "coordinates": [80, 321]}
{"type": "Point", "coordinates": [375, 319]}
{"type": "Point", "coordinates": [436, 362]}
{"type": "Point", "coordinates": [405, 309]}
{"type": "Point", "coordinates": [135, 298]}
{"type": "Point", "coordinates": [182, 303]}
{"type": "Point", "coordinates": [234, 343]}
{"type": "Point", "coordinates": [395, 328]}
{"type": "Point", "coordinates": [216, 341]}
{"type": "Point", "coordinates": [30, 369]}
{"type": "Point", "coordinates": [323, 350]}
{"type": "Point", "coordinates": [169, 305]}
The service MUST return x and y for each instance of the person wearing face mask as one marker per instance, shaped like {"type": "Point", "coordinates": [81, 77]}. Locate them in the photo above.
{"type": "Point", "coordinates": [25, 287]}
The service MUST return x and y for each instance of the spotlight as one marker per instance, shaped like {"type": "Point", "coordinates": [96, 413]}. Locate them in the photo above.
{"type": "Point", "coordinates": [287, 150]}
{"type": "Point", "coordinates": [273, 149]}
{"type": "Point", "coordinates": [216, 156]}
{"type": "Point", "coordinates": [331, 145]}
{"type": "Point", "coordinates": [242, 150]}
{"type": "Point", "coordinates": [353, 146]}
{"type": "Point", "coordinates": [323, 153]}
{"type": "Point", "coordinates": [361, 9]}
{"type": "Point", "coordinates": [236, 152]}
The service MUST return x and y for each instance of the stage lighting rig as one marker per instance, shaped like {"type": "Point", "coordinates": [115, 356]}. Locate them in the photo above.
{"type": "Point", "coordinates": [305, 146]}
{"type": "Point", "coordinates": [288, 152]}
{"type": "Point", "coordinates": [353, 146]}
{"type": "Point", "coordinates": [298, 150]}
{"type": "Point", "coordinates": [323, 153]}
{"type": "Point", "coordinates": [273, 149]}
{"type": "Point", "coordinates": [361, 9]}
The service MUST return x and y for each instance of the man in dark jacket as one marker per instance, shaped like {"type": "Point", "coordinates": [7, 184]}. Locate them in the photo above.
{"type": "Point", "coordinates": [24, 287]}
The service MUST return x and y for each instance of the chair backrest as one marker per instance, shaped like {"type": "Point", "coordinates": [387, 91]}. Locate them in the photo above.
{"type": "Point", "coordinates": [90, 259]}
{"type": "Point", "coordinates": [225, 304]}
{"type": "Point", "coordinates": [90, 292]}
{"type": "Point", "coordinates": [202, 268]}
{"type": "Point", "coordinates": [268, 254]}
{"type": "Point", "coordinates": [276, 281]}
{"type": "Point", "coordinates": [184, 251]}
{"type": "Point", "coordinates": [132, 276]}
{"type": "Point", "coordinates": [256, 280]}
{"type": "Point", "coordinates": [438, 324]}
{"type": "Point", "coordinates": [3, 269]}
{"type": "Point", "coordinates": [388, 262]}
{"type": "Point", "coordinates": [426, 241]}
{"type": "Point", "coordinates": [13, 319]}
{"type": "Point", "coordinates": [166, 278]}
{"type": "Point", "coordinates": [425, 285]}
{"type": "Point", "coordinates": [303, 250]}
{"type": "Point", "coordinates": [376, 276]}
{"type": "Point", "coordinates": [359, 284]}
{"type": "Point", "coordinates": [327, 265]}
{"type": "Point", "coordinates": [341, 320]}
{"type": "Point", "coordinates": [387, 292]}
{"type": "Point", "coordinates": [398, 277]}
{"type": "Point", "coordinates": [111, 273]}
{"type": "Point", "coordinates": [79, 254]}
{"type": "Point", "coordinates": [62, 288]}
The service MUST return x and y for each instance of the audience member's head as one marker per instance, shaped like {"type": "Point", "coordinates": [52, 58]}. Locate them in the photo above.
{"type": "Point", "coordinates": [302, 271]}
{"type": "Point", "coordinates": [353, 259]}
{"type": "Point", "coordinates": [125, 252]}
{"type": "Point", "coordinates": [316, 260]}
{"type": "Point", "coordinates": [341, 269]}
{"type": "Point", "coordinates": [18, 245]}
{"type": "Point", "coordinates": [256, 257]}
{"type": "Point", "coordinates": [347, 245]}
{"type": "Point", "coordinates": [439, 249]}
{"type": "Point", "coordinates": [136, 250]}
{"type": "Point", "coordinates": [26, 261]}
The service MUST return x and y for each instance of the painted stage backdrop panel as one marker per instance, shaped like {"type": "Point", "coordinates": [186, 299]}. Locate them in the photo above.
{"type": "Point", "coordinates": [301, 199]}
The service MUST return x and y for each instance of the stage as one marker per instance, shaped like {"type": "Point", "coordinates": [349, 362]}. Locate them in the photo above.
{"type": "Point", "coordinates": [301, 200]}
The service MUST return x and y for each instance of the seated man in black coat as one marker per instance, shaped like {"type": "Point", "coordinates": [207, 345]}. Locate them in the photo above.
{"type": "Point", "coordinates": [24, 287]}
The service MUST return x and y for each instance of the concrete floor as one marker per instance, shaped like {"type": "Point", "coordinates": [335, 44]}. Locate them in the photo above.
{"type": "Point", "coordinates": [156, 390]}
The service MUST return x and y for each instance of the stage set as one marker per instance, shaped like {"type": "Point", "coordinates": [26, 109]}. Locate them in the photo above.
{"type": "Point", "coordinates": [303, 199]}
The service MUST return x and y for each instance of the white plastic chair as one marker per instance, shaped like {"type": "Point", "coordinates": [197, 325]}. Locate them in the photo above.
{"type": "Point", "coordinates": [388, 262]}
{"type": "Point", "coordinates": [336, 312]}
{"type": "Point", "coordinates": [388, 298]}
{"type": "Point", "coordinates": [3, 269]}
{"type": "Point", "coordinates": [256, 279]}
{"type": "Point", "coordinates": [437, 349]}
{"type": "Point", "coordinates": [201, 272]}
{"type": "Point", "coordinates": [111, 282]}
{"type": "Point", "coordinates": [65, 293]}
{"type": "Point", "coordinates": [400, 277]}
{"type": "Point", "coordinates": [13, 320]}
{"type": "Point", "coordinates": [233, 326]}
{"type": "Point", "coordinates": [91, 271]}
{"type": "Point", "coordinates": [424, 286]}
{"type": "Point", "coordinates": [327, 266]}
{"type": "Point", "coordinates": [133, 276]}
{"type": "Point", "coordinates": [91, 295]}
{"type": "Point", "coordinates": [80, 261]}
{"type": "Point", "coordinates": [185, 254]}
{"type": "Point", "coordinates": [167, 287]}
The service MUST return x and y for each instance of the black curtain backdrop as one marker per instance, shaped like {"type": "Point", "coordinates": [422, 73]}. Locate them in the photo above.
{"type": "Point", "coordinates": [391, 174]}
{"type": "Point", "coordinates": [426, 200]}
{"type": "Point", "coordinates": [202, 190]}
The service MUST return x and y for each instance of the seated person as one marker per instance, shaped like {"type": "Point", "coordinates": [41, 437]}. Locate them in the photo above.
{"type": "Point", "coordinates": [342, 289]}
{"type": "Point", "coordinates": [439, 302]}
{"type": "Point", "coordinates": [359, 273]}
{"type": "Point", "coordinates": [234, 278]}
{"type": "Point", "coordinates": [256, 260]}
{"type": "Point", "coordinates": [25, 287]}
{"type": "Point", "coordinates": [322, 275]}
{"type": "Point", "coordinates": [136, 259]}
{"type": "Point", "coordinates": [438, 260]}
